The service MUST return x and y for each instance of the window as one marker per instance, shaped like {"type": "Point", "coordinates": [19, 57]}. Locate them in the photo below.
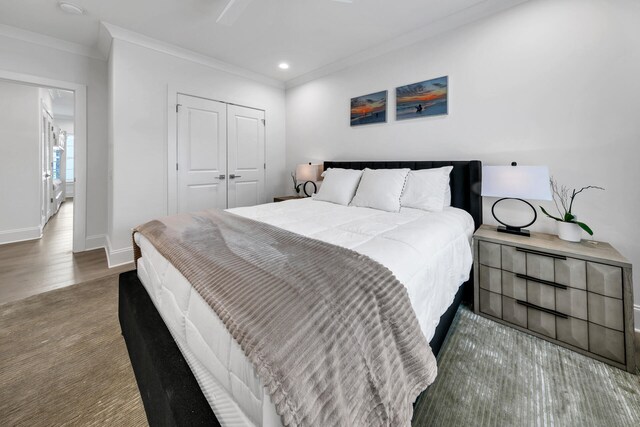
{"type": "Point", "coordinates": [69, 151]}
{"type": "Point", "coordinates": [57, 157]}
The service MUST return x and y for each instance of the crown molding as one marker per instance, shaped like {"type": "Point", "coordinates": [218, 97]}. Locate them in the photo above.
{"type": "Point", "coordinates": [186, 54]}
{"type": "Point", "coordinates": [458, 19]}
{"type": "Point", "coordinates": [104, 41]}
{"type": "Point", "coordinates": [48, 41]}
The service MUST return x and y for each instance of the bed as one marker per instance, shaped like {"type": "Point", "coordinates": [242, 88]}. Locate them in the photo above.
{"type": "Point", "coordinates": [187, 365]}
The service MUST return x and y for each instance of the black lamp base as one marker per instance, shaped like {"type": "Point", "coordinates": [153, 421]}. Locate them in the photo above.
{"type": "Point", "coordinates": [304, 188]}
{"type": "Point", "coordinates": [514, 230]}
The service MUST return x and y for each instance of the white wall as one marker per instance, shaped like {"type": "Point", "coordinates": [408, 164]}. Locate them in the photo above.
{"type": "Point", "coordinates": [23, 57]}
{"type": "Point", "coordinates": [65, 125]}
{"type": "Point", "coordinates": [551, 82]}
{"type": "Point", "coordinates": [20, 172]}
{"type": "Point", "coordinates": [139, 79]}
{"type": "Point", "coordinates": [47, 101]}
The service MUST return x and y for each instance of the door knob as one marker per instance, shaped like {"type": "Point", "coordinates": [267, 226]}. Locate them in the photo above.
{"type": "Point", "coordinates": [221, 177]}
{"type": "Point", "coordinates": [46, 175]}
{"type": "Point", "coordinates": [235, 176]}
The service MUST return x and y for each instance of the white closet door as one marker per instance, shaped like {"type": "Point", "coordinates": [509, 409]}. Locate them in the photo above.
{"type": "Point", "coordinates": [202, 154]}
{"type": "Point", "coordinates": [245, 156]}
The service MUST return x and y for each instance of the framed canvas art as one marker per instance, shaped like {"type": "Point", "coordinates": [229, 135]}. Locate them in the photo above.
{"type": "Point", "coordinates": [427, 98]}
{"type": "Point", "coordinates": [368, 109]}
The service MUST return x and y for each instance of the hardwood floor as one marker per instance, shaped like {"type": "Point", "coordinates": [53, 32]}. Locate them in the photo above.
{"type": "Point", "coordinates": [36, 266]}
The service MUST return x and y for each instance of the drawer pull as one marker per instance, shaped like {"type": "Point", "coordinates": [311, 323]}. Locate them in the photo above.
{"type": "Point", "coordinates": [544, 282]}
{"type": "Point", "coordinates": [546, 310]}
{"type": "Point", "coordinates": [531, 251]}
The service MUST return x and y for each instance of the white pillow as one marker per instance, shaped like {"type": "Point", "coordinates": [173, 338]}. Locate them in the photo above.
{"type": "Point", "coordinates": [447, 196]}
{"type": "Point", "coordinates": [339, 185]}
{"type": "Point", "coordinates": [426, 189]}
{"type": "Point", "coordinates": [381, 189]}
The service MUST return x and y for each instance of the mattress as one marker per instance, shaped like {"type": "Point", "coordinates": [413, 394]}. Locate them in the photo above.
{"type": "Point", "coordinates": [429, 252]}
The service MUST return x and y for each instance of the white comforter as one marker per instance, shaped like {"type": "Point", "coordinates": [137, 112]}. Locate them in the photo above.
{"type": "Point", "coordinates": [428, 252]}
{"type": "Point", "coordinates": [423, 249]}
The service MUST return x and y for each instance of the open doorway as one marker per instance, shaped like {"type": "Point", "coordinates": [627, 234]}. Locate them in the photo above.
{"type": "Point", "coordinates": [43, 187]}
{"type": "Point", "coordinates": [37, 132]}
{"type": "Point", "coordinates": [22, 188]}
{"type": "Point", "coordinates": [57, 157]}
{"type": "Point", "coordinates": [43, 139]}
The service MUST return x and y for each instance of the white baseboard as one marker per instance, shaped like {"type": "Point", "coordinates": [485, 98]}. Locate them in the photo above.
{"type": "Point", "coordinates": [20, 235]}
{"type": "Point", "coordinates": [95, 242]}
{"type": "Point", "coordinates": [117, 257]}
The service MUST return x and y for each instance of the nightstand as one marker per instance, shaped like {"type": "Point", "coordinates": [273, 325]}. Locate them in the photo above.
{"type": "Point", "coordinates": [577, 295]}
{"type": "Point", "coordinates": [284, 198]}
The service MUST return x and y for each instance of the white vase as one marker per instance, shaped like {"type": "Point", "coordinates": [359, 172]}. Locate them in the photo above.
{"type": "Point", "coordinates": [569, 231]}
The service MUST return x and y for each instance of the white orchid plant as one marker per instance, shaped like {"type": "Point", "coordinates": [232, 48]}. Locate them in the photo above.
{"type": "Point", "coordinates": [563, 199]}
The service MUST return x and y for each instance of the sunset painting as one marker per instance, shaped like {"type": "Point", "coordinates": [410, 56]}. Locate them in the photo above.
{"type": "Point", "coordinates": [369, 109]}
{"type": "Point", "coordinates": [428, 98]}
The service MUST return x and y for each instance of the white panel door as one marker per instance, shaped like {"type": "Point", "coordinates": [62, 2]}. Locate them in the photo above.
{"type": "Point", "coordinates": [245, 156]}
{"type": "Point", "coordinates": [47, 169]}
{"type": "Point", "coordinates": [202, 154]}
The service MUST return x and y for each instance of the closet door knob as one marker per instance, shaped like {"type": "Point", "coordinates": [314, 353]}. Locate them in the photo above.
{"type": "Point", "coordinates": [235, 176]}
{"type": "Point", "coordinates": [222, 176]}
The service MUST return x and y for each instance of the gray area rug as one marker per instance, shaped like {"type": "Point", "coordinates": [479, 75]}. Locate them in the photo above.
{"type": "Point", "coordinates": [493, 375]}
{"type": "Point", "coordinates": [64, 362]}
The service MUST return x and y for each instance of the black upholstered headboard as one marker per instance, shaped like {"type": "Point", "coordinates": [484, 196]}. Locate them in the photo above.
{"type": "Point", "coordinates": [465, 179]}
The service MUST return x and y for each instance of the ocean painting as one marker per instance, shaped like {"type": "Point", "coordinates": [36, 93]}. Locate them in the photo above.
{"type": "Point", "coordinates": [369, 109]}
{"type": "Point", "coordinates": [428, 98]}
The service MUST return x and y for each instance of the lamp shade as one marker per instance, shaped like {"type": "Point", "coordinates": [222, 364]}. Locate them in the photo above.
{"type": "Point", "coordinates": [308, 172]}
{"type": "Point", "coordinates": [518, 182]}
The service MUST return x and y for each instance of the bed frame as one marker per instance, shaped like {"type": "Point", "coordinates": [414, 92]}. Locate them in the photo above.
{"type": "Point", "coordinates": [170, 393]}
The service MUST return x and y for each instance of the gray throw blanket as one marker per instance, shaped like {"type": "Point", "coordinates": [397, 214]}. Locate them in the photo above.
{"type": "Point", "coordinates": [331, 333]}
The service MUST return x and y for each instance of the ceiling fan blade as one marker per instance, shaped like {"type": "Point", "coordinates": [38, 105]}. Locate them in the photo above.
{"type": "Point", "coordinates": [232, 11]}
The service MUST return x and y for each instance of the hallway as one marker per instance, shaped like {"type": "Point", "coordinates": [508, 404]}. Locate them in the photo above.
{"type": "Point", "coordinates": [36, 266]}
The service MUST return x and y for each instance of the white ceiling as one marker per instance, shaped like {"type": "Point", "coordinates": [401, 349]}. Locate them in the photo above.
{"type": "Point", "coordinates": [309, 34]}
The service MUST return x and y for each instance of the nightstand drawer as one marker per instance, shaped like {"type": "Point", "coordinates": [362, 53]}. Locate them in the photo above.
{"type": "Point", "coordinates": [572, 302]}
{"type": "Point", "coordinates": [541, 322]}
{"type": "Point", "coordinates": [606, 311]}
{"type": "Point", "coordinates": [604, 279]}
{"type": "Point", "coordinates": [491, 303]}
{"type": "Point", "coordinates": [513, 260]}
{"type": "Point", "coordinates": [571, 272]}
{"type": "Point", "coordinates": [540, 267]}
{"type": "Point", "coordinates": [574, 332]}
{"type": "Point", "coordinates": [491, 279]}
{"type": "Point", "coordinates": [541, 295]}
{"type": "Point", "coordinates": [513, 312]}
{"type": "Point", "coordinates": [489, 254]}
{"type": "Point", "coordinates": [514, 286]}
{"type": "Point", "coordinates": [606, 342]}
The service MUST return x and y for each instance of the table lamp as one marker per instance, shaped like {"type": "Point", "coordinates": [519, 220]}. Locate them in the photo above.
{"type": "Point", "coordinates": [309, 173]}
{"type": "Point", "coordinates": [519, 183]}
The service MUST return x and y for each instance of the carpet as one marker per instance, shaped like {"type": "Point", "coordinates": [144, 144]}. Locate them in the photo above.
{"type": "Point", "coordinates": [493, 375]}
{"type": "Point", "coordinates": [64, 362]}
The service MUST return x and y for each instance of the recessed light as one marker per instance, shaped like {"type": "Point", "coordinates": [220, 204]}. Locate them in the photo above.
{"type": "Point", "coordinates": [71, 9]}
{"type": "Point", "coordinates": [283, 66]}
